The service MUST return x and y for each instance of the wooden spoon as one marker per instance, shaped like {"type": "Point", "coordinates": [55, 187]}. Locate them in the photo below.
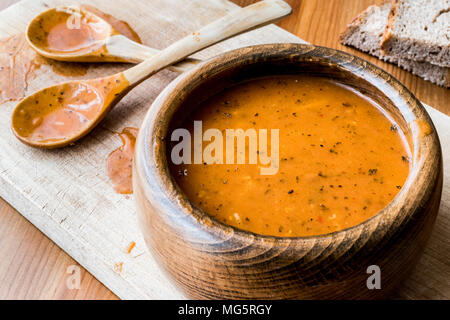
{"type": "Point", "coordinates": [71, 33]}
{"type": "Point", "coordinates": [60, 115]}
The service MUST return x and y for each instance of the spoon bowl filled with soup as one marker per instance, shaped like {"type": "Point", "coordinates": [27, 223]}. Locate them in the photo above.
{"type": "Point", "coordinates": [286, 171]}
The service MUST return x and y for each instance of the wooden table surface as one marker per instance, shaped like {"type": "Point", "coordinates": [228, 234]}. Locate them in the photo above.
{"type": "Point", "coordinates": [33, 267]}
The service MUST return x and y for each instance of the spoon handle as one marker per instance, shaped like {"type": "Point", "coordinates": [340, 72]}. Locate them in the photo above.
{"type": "Point", "coordinates": [234, 23]}
{"type": "Point", "coordinates": [131, 51]}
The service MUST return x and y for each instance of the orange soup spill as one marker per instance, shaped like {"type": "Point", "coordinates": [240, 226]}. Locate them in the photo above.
{"type": "Point", "coordinates": [341, 160]}
{"type": "Point", "coordinates": [17, 63]}
{"type": "Point", "coordinates": [120, 162]}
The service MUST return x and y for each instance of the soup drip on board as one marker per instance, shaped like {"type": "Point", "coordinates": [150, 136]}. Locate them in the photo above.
{"type": "Point", "coordinates": [120, 162]}
{"type": "Point", "coordinates": [17, 65]}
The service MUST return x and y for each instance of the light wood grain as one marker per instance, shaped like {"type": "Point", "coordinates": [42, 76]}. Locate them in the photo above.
{"type": "Point", "coordinates": [234, 23]}
{"type": "Point", "coordinates": [34, 267]}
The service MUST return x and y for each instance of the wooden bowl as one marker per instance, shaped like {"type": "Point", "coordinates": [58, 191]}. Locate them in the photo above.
{"type": "Point", "coordinates": [211, 260]}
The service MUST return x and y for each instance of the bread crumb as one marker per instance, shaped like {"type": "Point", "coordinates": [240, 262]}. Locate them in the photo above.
{"type": "Point", "coordinates": [131, 247]}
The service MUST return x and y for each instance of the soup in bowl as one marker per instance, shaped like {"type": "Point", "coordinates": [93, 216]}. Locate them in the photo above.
{"type": "Point", "coordinates": [286, 171]}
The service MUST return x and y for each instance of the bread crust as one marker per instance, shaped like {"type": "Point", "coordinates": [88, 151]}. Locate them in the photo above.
{"type": "Point", "coordinates": [387, 36]}
{"type": "Point", "coordinates": [414, 49]}
{"type": "Point", "coordinates": [370, 42]}
{"type": "Point", "coordinates": [355, 23]}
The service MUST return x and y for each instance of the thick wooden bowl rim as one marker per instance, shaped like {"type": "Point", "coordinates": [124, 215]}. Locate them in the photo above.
{"type": "Point", "coordinates": [160, 188]}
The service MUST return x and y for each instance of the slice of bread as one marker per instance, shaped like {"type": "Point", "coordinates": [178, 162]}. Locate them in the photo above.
{"type": "Point", "coordinates": [419, 30]}
{"type": "Point", "coordinates": [366, 32]}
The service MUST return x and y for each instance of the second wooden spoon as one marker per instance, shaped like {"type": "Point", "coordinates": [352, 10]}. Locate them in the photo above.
{"type": "Point", "coordinates": [73, 33]}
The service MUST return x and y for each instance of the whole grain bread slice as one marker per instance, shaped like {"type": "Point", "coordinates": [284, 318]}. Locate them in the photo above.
{"type": "Point", "coordinates": [366, 32]}
{"type": "Point", "coordinates": [419, 30]}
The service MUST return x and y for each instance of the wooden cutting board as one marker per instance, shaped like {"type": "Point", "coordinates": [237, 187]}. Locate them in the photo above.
{"type": "Point", "coordinates": [67, 194]}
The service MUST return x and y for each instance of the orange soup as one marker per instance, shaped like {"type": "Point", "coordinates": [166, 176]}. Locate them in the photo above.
{"type": "Point", "coordinates": [341, 159]}
{"type": "Point", "coordinates": [67, 109]}
{"type": "Point", "coordinates": [71, 30]}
